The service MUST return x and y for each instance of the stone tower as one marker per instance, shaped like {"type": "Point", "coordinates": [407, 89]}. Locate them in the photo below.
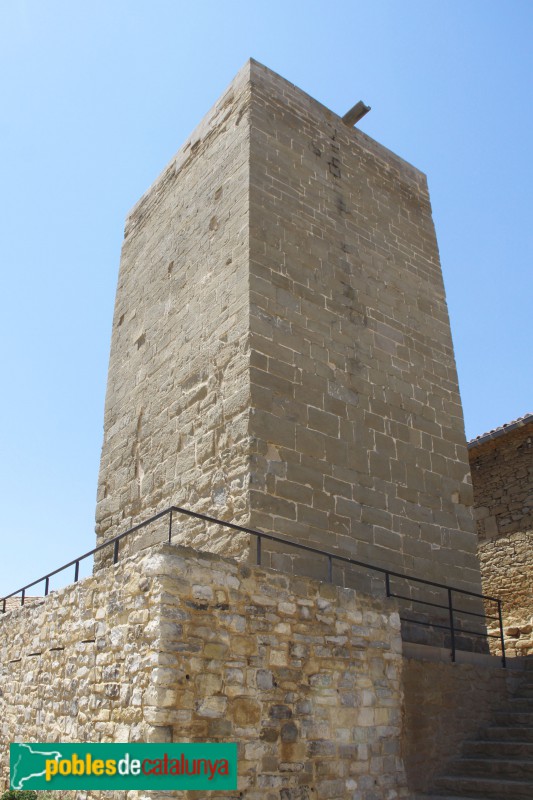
{"type": "Point", "coordinates": [281, 352]}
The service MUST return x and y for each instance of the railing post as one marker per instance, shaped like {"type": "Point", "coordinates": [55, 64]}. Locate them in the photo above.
{"type": "Point", "coordinates": [452, 627]}
{"type": "Point", "coordinates": [504, 660]}
{"type": "Point", "coordinates": [170, 527]}
{"type": "Point", "coordinates": [341, 572]}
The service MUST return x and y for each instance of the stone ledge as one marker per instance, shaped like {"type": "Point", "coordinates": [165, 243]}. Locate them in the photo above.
{"type": "Point", "coordinates": [425, 652]}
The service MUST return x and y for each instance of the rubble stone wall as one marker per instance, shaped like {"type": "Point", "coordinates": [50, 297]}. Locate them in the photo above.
{"type": "Point", "coordinates": [502, 476]}
{"type": "Point", "coordinates": [177, 645]}
{"type": "Point", "coordinates": [78, 664]}
{"type": "Point", "coordinates": [507, 571]}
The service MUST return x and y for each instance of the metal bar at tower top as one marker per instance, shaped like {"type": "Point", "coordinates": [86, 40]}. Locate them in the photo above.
{"type": "Point", "coordinates": [356, 113]}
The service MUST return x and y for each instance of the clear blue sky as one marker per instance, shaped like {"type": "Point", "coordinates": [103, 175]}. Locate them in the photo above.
{"type": "Point", "coordinates": [96, 97]}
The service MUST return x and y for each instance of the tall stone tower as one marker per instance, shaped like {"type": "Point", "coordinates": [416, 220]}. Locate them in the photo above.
{"type": "Point", "coordinates": [281, 352]}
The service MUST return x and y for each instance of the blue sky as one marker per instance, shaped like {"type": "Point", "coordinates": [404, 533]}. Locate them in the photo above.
{"type": "Point", "coordinates": [97, 97]}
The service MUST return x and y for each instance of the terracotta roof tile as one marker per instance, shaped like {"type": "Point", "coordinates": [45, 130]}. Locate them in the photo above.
{"type": "Point", "coordinates": [501, 430]}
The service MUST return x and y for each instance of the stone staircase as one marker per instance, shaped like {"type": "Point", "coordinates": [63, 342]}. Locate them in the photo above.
{"type": "Point", "coordinates": [499, 764]}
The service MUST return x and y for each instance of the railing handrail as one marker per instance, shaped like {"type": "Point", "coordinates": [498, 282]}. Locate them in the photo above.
{"type": "Point", "coordinates": [260, 535]}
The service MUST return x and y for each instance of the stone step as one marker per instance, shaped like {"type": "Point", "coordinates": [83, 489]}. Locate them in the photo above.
{"type": "Point", "coordinates": [439, 797]}
{"type": "Point", "coordinates": [486, 748]}
{"type": "Point", "coordinates": [520, 703]}
{"type": "Point", "coordinates": [517, 770]}
{"type": "Point", "coordinates": [525, 691]}
{"type": "Point", "coordinates": [447, 797]}
{"type": "Point", "coordinates": [509, 733]}
{"type": "Point", "coordinates": [484, 788]}
{"type": "Point", "coordinates": [514, 719]}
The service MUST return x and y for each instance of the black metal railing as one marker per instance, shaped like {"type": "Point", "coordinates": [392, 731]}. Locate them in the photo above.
{"type": "Point", "coordinates": [453, 614]}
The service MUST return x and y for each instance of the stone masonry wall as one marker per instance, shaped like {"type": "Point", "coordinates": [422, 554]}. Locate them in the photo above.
{"type": "Point", "coordinates": [502, 476]}
{"type": "Point", "coordinates": [281, 351]}
{"type": "Point", "coordinates": [176, 412]}
{"type": "Point", "coordinates": [444, 706]}
{"type": "Point", "coordinates": [177, 645]}
{"type": "Point", "coordinates": [356, 418]}
{"type": "Point", "coordinates": [78, 665]}
{"type": "Point", "coordinates": [507, 572]}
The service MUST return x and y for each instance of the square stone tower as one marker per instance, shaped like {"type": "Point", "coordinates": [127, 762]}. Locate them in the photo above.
{"type": "Point", "coordinates": [281, 352]}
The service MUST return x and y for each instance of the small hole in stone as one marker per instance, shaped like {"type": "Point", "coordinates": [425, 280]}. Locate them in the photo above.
{"type": "Point", "coordinates": [170, 268]}
{"type": "Point", "coordinates": [121, 320]}
{"type": "Point", "coordinates": [187, 677]}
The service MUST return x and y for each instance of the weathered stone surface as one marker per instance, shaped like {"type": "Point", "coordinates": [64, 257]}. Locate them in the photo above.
{"type": "Point", "coordinates": [347, 307]}
{"type": "Point", "coordinates": [281, 350]}
{"type": "Point", "coordinates": [444, 706]}
{"type": "Point", "coordinates": [177, 403]}
{"type": "Point", "coordinates": [143, 678]}
{"type": "Point", "coordinates": [502, 477]}
{"type": "Point", "coordinates": [281, 357]}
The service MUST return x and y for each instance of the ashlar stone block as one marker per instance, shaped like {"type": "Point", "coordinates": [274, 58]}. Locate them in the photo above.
{"type": "Point", "coordinates": [280, 291]}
